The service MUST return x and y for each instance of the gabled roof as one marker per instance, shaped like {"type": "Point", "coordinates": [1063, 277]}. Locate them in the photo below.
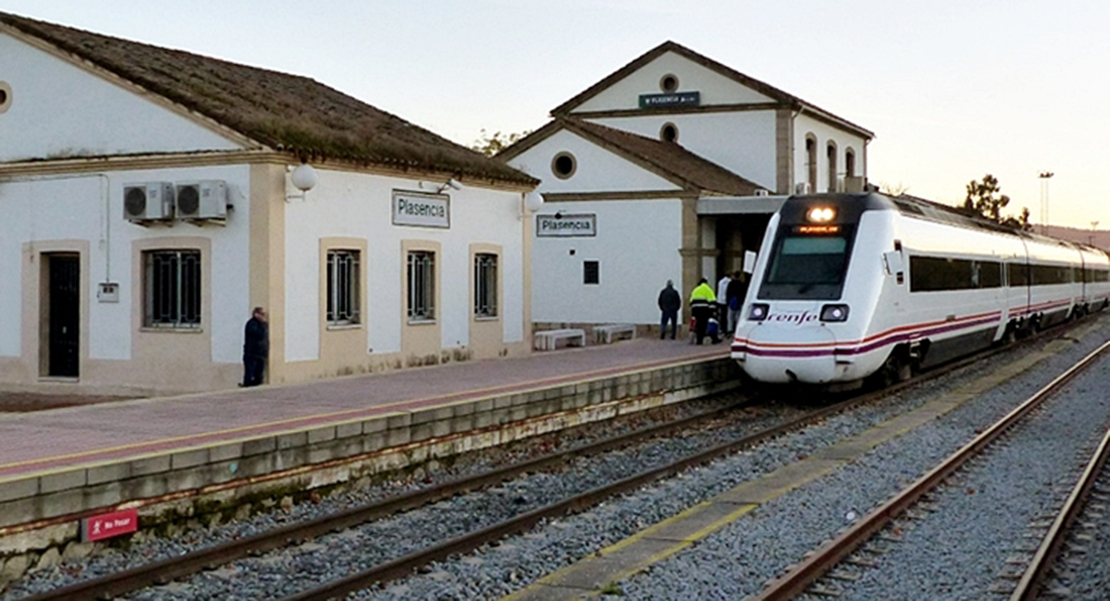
{"type": "Point", "coordinates": [285, 112]}
{"type": "Point", "coordinates": [764, 88]}
{"type": "Point", "coordinates": [667, 159]}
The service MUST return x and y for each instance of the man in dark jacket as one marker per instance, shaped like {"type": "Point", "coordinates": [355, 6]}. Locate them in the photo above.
{"type": "Point", "coordinates": [669, 303]}
{"type": "Point", "coordinates": [256, 348]}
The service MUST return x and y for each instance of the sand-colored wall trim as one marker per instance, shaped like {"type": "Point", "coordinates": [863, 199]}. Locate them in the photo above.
{"type": "Point", "coordinates": [267, 252]}
{"type": "Point", "coordinates": [487, 334]}
{"type": "Point", "coordinates": [36, 316]}
{"type": "Point", "coordinates": [343, 347]}
{"type": "Point", "coordinates": [420, 340]}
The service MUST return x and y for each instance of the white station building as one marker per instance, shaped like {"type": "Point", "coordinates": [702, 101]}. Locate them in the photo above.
{"type": "Point", "coordinates": [150, 198]}
{"type": "Point", "coordinates": [669, 168]}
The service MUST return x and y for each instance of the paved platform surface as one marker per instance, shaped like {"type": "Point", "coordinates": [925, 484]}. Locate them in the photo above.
{"type": "Point", "coordinates": [39, 442]}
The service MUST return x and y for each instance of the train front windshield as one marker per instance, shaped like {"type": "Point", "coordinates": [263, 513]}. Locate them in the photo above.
{"type": "Point", "coordinates": [807, 266]}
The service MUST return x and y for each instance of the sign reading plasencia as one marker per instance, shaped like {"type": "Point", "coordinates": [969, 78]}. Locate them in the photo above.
{"type": "Point", "coordinates": [563, 225]}
{"type": "Point", "coordinates": [421, 209]}
{"type": "Point", "coordinates": [648, 101]}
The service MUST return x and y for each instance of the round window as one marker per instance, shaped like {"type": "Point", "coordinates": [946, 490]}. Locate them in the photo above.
{"type": "Point", "coordinates": [5, 96]}
{"type": "Point", "coordinates": [668, 83]}
{"type": "Point", "coordinates": [563, 165]}
{"type": "Point", "coordinates": [668, 133]}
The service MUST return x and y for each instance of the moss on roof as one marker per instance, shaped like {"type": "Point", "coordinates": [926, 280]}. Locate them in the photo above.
{"type": "Point", "coordinates": [286, 112]}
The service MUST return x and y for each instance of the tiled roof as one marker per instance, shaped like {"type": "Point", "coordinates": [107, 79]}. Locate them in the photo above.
{"type": "Point", "coordinates": [285, 112]}
{"type": "Point", "coordinates": [668, 159]}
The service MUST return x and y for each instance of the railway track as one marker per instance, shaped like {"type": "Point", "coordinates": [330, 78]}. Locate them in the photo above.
{"type": "Point", "coordinates": [205, 559]}
{"type": "Point", "coordinates": [821, 561]}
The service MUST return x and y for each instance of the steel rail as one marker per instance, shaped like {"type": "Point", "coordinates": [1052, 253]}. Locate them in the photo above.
{"type": "Point", "coordinates": [166, 570]}
{"type": "Point", "coordinates": [405, 565]}
{"type": "Point", "coordinates": [800, 577]}
{"type": "Point", "coordinates": [1034, 577]}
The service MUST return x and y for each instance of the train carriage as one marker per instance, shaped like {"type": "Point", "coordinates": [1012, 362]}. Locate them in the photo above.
{"type": "Point", "coordinates": [851, 286]}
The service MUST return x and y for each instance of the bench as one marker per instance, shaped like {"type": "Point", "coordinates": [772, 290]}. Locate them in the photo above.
{"type": "Point", "coordinates": [548, 340]}
{"type": "Point", "coordinates": [607, 333]}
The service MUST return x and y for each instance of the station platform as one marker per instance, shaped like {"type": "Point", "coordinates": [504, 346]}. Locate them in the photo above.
{"type": "Point", "coordinates": [160, 454]}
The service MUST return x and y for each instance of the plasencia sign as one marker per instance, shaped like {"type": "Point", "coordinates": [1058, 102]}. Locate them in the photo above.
{"type": "Point", "coordinates": [421, 209]}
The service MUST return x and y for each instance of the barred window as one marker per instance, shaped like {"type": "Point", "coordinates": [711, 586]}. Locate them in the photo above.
{"type": "Point", "coordinates": [422, 292]}
{"type": "Point", "coordinates": [485, 285]}
{"type": "Point", "coordinates": [343, 287]}
{"type": "Point", "coordinates": [171, 289]}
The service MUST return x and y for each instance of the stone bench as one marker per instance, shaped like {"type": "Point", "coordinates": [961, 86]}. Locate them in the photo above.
{"type": "Point", "coordinates": [607, 333]}
{"type": "Point", "coordinates": [548, 340]}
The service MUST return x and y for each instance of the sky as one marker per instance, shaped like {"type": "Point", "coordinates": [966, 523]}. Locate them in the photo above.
{"type": "Point", "coordinates": [953, 89]}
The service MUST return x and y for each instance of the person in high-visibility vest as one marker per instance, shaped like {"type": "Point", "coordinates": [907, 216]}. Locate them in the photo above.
{"type": "Point", "coordinates": [702, 305]}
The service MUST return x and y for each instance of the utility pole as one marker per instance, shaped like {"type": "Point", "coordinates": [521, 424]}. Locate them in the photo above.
{"type": "Point", "coordinates": [1045, 175]}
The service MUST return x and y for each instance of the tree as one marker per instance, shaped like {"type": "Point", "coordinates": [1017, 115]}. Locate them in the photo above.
{"type": "Point", "coordinates": [490, 145]}
{"type": "Point", "coordinates": [894, 189]}
{"type": "Point", "coordinates": [985, 199]}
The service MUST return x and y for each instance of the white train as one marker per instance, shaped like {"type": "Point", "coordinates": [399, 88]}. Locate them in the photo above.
{"type": "Point", "coordinates": [849, 286]}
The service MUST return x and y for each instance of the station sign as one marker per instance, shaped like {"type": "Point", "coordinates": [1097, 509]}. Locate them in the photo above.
{"type": "Point", "coordinates": [648, 101]}
{"type": "Point", "coordinates": [107, 525]}
{"type": "Point", "coordinates": [561, 225]}
{"type": "Point", "coordinates": [421, 209]}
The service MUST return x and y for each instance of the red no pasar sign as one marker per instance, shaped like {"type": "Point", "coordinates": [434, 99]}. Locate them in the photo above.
{"type": "Point", "coordinates": [99, 527]}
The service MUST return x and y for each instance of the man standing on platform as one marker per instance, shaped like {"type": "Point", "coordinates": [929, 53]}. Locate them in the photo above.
{"type": "Point", "coordinates": [669, 303]}
{"type": "Point", "coordinates": [256, 348]}
{"type": "Point", "coordinates": [702, 303]}
{"type": "Point", "coordinates": [737, 290]}
{"type": "Point", "coordinates": [722, 301]}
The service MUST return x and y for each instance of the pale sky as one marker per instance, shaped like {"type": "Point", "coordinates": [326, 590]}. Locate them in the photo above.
{"type": "Point", "coordinates": [953, 89]}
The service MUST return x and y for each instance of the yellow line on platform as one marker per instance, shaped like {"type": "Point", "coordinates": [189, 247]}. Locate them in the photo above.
{"type": "Point", "coordinates": [600, 572]}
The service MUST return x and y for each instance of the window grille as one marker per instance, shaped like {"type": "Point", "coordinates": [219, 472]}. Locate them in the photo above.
{"type": "Point", "coordinates": [343, 287]}
{"type": "Point", "coordinates": [171, 288]}
{"type": "Point", "coordinates": [485, 285]}
{"type": "Point", "coordinates": [421, 280]}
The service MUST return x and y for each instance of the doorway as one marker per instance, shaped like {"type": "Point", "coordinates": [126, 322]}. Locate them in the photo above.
{"type": "Point", "coordinates": [62, 308]}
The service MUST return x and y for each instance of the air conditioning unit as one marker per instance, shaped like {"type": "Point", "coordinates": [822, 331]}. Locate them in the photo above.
{"type": "Point", "coordinates": [802, 188]}
{"type": "Point", "coordinates": [762, 192]}
{"type": "Point", "coordinates": [148, 202]}
{"type": "Point", "coordinates": [202, 200]}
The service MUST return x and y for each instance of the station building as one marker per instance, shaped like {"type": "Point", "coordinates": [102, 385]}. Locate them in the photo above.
{"type": "Point", "coordinates": [669, 168]}
{"type": "Point", "coordinates": [150, 198]}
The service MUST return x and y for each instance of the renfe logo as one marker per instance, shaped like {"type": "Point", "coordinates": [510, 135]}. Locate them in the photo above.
{"type": "Point", "coordinates": [109, 524]}
{"type": "Point", "coordinates": [795, 318]}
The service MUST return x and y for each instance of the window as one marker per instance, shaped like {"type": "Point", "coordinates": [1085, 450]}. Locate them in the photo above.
{"type": "Point", "coordinates": [485, 285]}
{"type": "Point", "coordinates": [850, 163]}
{"type": "Point", "coordinates": [807, 266]}
{"type": "Point", "coordinates": [563, 165]}
{"type": "Point", "coordinates": [343, 287]}
{"type": "Point", "coordinates": [669, 132]}
{"type": "Point", "coordinates": [929, 274]}
{"type": "Point", "coordinates": [5, 96]}
{"type": "Point", "coordinates": [591, 272]}
{"type": "Point", "coordinates": [171, 289]}
{"type": "Point", "coordinates": [668, 83]}
{"type": "Point", "coordinates": [422, 291]}
{"type": "Point", "coordinates": [830, 154]}
{"type": "Point", "coordinates": [811, 162]}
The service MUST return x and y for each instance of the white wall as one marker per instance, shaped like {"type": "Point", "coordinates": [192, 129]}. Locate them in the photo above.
{"type": "Point", "coordinates": [742, 142]}
{"type": "Point", "coordinates": [66, 207]}
{"type": "Point", "coordinates": [805, 125]}
{"type": "Point", "coordinates": [60, 110]}
{"type": "Point", "coordinates": [598, 169]}
{"type": "Point", "coordinates": [637, 246]}
{"type": "Point", "coordinates": [359, 206]}
{"type": "Point", "coordinates": [714, 87]}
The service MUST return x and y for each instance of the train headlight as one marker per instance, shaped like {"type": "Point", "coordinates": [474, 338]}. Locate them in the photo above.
{"type": "Point", "coordinates": [821, 214]}
{"type": "Point", "coordinates": [834, 313]}
{"type": "Point", "coordinates": [758, 312]}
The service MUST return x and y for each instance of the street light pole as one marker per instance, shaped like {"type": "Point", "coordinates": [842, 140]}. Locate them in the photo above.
{"type": "Point", "coordinates": [1044, 175]}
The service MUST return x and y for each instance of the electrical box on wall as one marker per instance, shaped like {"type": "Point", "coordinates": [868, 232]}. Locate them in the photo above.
{"type": "Point", "coordinates": [107, 292]}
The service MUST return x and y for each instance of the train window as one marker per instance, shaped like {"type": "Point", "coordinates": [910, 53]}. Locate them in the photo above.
{"type": "Point", "coordinates": [1017, 274]}
{"type": "Point", "coordinates": [1047, 275]}
{"type": "Point", "coordinates": [807, 266]}
{"type": "Point", "coordinates": [930, 274]}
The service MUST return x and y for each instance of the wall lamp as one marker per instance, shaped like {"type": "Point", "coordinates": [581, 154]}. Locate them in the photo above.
{"type": "Point", "coordinates": [451, 183]}
{"type": "Point", "coordinates": [303, 178]}
{"type": "Point", "coordinates": [533, 201]}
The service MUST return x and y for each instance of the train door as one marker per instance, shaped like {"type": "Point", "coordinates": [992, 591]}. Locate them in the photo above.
{"type": "Point", "coordinates": [62, 304]}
